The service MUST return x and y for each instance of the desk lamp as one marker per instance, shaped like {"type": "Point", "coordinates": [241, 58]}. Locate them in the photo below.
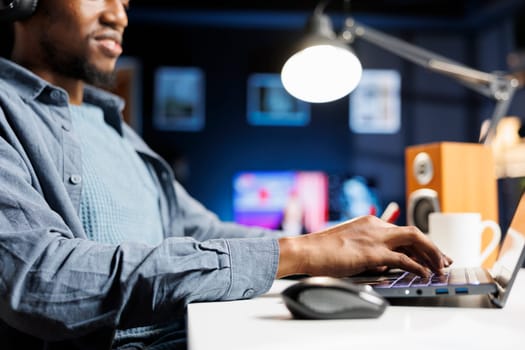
{"type": "Point", "coordinates": [325, 68]}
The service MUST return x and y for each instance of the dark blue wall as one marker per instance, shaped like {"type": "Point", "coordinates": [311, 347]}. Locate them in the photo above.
{"type": "Point", "coordinates": [434, 108]}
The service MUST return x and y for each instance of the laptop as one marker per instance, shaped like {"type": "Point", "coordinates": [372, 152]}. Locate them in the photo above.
{"type": "Point", "coordinates": [495, 282]}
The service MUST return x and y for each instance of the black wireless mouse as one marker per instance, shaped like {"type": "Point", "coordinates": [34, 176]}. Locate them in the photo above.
{"type": "Point", "coordinates": [332, 298]}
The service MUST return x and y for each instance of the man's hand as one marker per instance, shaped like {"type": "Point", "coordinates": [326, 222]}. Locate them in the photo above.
{"type": "Point", "coordinates": [362, 244]}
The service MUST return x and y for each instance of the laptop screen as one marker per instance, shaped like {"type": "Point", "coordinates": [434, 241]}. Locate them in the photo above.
{"type": "Point", "coordinates": [512, 253]}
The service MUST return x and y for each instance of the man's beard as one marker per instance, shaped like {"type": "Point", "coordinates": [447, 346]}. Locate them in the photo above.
{"type": "Point", "coordinates": [76, 67]}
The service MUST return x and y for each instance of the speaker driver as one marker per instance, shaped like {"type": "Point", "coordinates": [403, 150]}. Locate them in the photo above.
{"type": "Point", "coordinates": [420, 204]}
{"type": "Point", "coordinates": [423, 168]}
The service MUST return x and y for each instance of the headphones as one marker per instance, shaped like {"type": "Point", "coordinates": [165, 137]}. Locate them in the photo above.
{"type": "Point", "coordinates": [14, 10]}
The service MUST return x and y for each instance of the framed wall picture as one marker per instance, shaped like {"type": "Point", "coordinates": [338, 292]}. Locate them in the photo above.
{"type": "Point", "coordinates": [179, 99]}
{"type": "Point", "coordinates": [375, 105]}
{"type": "Point", "coordinates": [270, 104]}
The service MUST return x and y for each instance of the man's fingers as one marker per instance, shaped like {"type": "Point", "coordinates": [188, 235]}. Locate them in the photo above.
{"type": "Point", "coordinates": [423, 258]}
{"type": "Point", "coordinates": [417, 245]}
{"type": "Point", "coordinates": [404, 262]}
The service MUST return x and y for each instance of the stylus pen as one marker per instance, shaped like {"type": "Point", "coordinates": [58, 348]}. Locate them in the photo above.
{"type": "Point", "coordinates": [391, 212]}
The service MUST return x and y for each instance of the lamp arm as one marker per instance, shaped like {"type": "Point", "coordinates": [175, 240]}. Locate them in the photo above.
{"type": "Point", "coordinates": [496, 85]}
{"type": "Point", "coordinates": [499, 112]}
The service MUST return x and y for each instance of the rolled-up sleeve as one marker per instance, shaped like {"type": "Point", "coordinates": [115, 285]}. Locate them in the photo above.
{"type": "Point", "coordinates": [253, 266]}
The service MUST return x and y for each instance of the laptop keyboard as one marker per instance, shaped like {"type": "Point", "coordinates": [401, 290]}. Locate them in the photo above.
{"type": "Point", "coordinates": [456, 276]}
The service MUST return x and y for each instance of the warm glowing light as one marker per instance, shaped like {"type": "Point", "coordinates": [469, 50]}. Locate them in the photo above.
{"type": "Point", "coordinates": [321, 73]}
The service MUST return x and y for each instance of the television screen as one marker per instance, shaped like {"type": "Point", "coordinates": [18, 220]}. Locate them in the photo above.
{"type": "Point", "coordinates": [300, 201]}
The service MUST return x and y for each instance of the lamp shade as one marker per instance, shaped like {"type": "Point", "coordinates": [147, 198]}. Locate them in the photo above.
{"type": "Point", "coordinates": [321, 73]}
{"type": "Point", "coordinates": [324, 68]}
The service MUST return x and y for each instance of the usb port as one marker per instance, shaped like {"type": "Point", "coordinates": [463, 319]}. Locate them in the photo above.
{"type": "Point", "coordinates": [461, 290]}
{"type": "Point", "coordinates": [440, 291]}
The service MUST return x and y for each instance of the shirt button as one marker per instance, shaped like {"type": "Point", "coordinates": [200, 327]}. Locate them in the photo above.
{"type": "Point", "coordinates": [248, 293]}
{"type": "Point", "coordinates": [75, 179]}
{"type": "Point", "coordinates": [55, 95]}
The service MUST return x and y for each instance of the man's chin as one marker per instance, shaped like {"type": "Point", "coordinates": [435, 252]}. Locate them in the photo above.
{"type": "Point", "coordinates": [97, 77]}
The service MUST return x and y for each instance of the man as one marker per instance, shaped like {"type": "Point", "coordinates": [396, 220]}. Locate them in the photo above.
{"type": "Point", "coordinates": [99, 246]}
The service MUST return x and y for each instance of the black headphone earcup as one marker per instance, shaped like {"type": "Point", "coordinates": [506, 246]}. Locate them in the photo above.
{"type": "Point", "coordinates": [15, 10]}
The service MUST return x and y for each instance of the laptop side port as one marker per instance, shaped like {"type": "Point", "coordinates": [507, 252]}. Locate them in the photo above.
{"type": "Point", "coordinates": [462, 290]}
{"type": "Point", "coordinates": [441, 291]}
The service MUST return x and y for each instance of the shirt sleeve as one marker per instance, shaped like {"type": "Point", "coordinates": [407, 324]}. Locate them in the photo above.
{"type": "Point", "coordinates": [202, 224]}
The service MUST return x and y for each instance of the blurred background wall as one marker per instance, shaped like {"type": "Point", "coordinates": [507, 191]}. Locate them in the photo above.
{"type": "Point", "coordinates": [230, 42]}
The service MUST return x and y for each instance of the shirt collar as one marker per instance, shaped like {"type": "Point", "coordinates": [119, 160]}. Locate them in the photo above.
{"type": "Point", "coordinates": [32, 87]}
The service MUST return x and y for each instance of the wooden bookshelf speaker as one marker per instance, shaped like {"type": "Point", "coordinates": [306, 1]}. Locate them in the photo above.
{"type": "Point", "coordinates": [451, 177]}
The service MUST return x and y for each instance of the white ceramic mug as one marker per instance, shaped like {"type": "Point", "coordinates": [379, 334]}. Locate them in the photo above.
{"type": "Point", "coordinates": [459, 235]}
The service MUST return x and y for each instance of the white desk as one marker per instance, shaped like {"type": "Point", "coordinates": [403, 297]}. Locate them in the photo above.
{"type": "Point", "coordinates": [265, 323]}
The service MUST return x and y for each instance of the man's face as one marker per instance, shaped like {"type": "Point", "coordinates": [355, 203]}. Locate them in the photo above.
{"type": "Point", "coordinates": [83, 38]}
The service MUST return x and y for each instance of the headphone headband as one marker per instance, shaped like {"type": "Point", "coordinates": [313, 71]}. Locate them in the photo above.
{"type": "Point", "coordinates": [15, 10]}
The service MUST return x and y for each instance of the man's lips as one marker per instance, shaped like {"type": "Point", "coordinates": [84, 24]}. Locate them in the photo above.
{"type": "Point", "coordinates": [110, 44]}
{"type": "Point", "coordinates": [110, 47]}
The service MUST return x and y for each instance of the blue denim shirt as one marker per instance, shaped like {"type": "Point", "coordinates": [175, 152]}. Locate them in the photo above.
{"type": "Point", "coordinates": [55, 284]}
